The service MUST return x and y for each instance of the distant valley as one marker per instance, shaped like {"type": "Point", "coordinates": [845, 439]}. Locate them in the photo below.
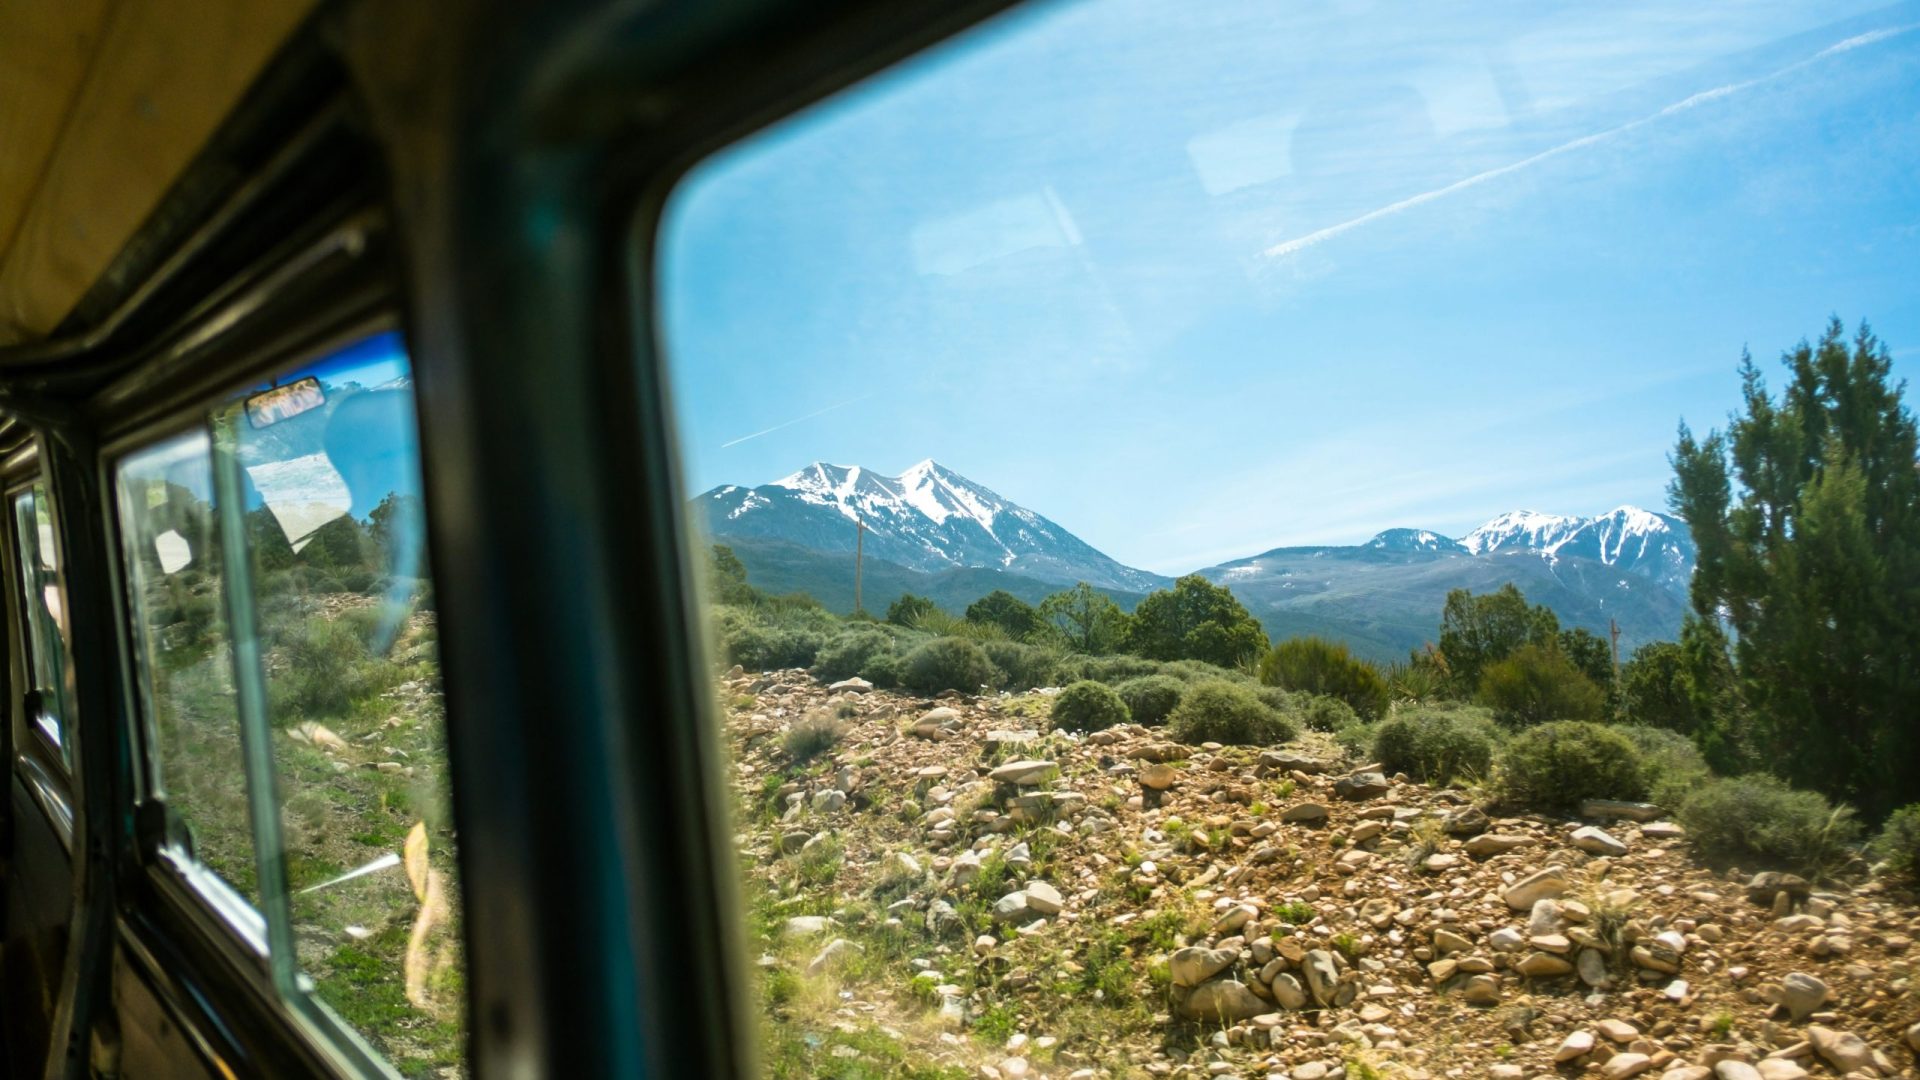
{"type": "Point", "coordinates": [936, 533]}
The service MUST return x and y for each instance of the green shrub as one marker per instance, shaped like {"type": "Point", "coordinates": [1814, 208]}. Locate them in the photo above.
{"type": "Point", "coordinates": [1284, 702]}
{"type": "Point", "coordinates": [1025, 666]}
{"type": "Point", "coordinates": [1151, 697]}
{"type": "Point", "coordinates": [948, 663]}
{"type": "Point", "coordinates": [779, 637]}
{"type": "Point", "coordinates": [1760, 817]}
{"type": "Point", "coordinates": [1673, 765]}
{"type": "Point", "coordinates": [1200, 671]}
{"type": "Point", "coordinates": [1357, 738]}
{"type": "Point", "coordinates": [882, 669]}
{"type": "Point", "coordinates": [1323, 713]}
{"type": "Point", "coordinates": [326, 669]}
{"type": "Point", "coordinates": [848, 652]}
{"type": "Point", "coordinates": [1315, 665]}
{"type": "Point", "coordinates": [1113, 669]}
{"type": "Point", "coordinates": [1088, 706]}
{"type": "Point", "coordinates": [1418, 679]}
{"type": "Point", "coordinates": [1227, 712]}
{"type": "Point", "coordinates": [1434, 744]}
{"type": "Point", "coordinates": [1537, 684]}
{"type": "Point", "coordinates": [1898, 844]}
{"type": "Point", "coordinates": [1557, 765]}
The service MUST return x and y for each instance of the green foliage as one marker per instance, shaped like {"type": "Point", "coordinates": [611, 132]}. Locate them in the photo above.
{"type": "Point", "coordinates": [948, 663]}
{"type": "Point", "coordinates": [1114, 669]}
{"type": "Point", "coordinates": [909, 609]}
{"type": "Point", "coordinates": [1589, 653]}
{"type": "Point", "coordinates": [1086, 619]}
{"type": "Point", "coordinates": [812, 736]}
{"type": "Point", "coordinates": [1476, 631]}
{"type": "Point", "coordinates": [849, 652]}
{"type": "Point", "coordinates": [1325, 713]}
{"type": "Point", "coordinates": [1106, 968]}
{"type": "Point", "coordinates": [882, 669]}
{"type": "Point", "coordinates": [1761, 817]}
{"type": "Point", "coordinates": [1196, 620]}
{"type": "Point", "coordinates": [757, 644]}
{"type": "Point", "coordinates": [1535, 684]}
{"type": "Point", "coordinates": [1557, 765]}
{"type": "Point", "coordinates": [1419, 678]}
{"type": "Point", "coordinates": [1674, 766]}
{"type": "Point", "coordinates": [818, 863]}
{"type": "Point", "coordinates": [1898, 844]}
{"type": "Point", "coordinates": [1088, 706]}
{"type": "Point", "coordinates": [1294, 912]}
{"type": "Point", "coordinates": [1656, 688]}
{"type": "Point", "coordinates": [1436, 744]}
{"type": "Point", "coordinates": [1317, 666]}
{"type": "Point", "coordinates": [1012, 615]}
{"type": "Point", "coordinates": [727, 577]}
{"type": "Point", "coordinates": [1227, 712]}
{"type": "Point", "coordinates": [1151, 697]}
{"type": "Point", "coordinates": [1806, 513]}
{"type": "Point", "coordinates": [1025, 666]}
{"type": "Point", "coordinates": [328, 669]}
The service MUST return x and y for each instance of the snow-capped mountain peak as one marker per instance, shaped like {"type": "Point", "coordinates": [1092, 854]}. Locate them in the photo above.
{"type": "Point", "coordinates": [1528, 529]}
{"type": "Point", "coordinates": [1627, 538]}
{"type": "Point", "coordinates": [1412, 540]}
{"type": "Point", "coordinates": [928, 518]}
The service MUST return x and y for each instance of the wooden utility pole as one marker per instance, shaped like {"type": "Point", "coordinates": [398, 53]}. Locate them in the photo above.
{"type": "Point", "coordinates": [1613, 629]}
{"type": "Point", "coordinates": [859, 546]}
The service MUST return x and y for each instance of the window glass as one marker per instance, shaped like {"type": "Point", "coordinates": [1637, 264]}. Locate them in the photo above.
{"type": "Point", "coordinates": [344, 616]}
{"type": "Point", "coordinates": [1111, 431]}
{"type": "Point", "coordinates": [339, 782]}
{"type": "Point", "coordinates": [185, 654]}
{"type": "Point", "coordinates": [45, 611]}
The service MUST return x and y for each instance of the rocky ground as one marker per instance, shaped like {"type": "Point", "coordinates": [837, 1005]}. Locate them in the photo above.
{"type": "Point", "coordinates": [946, 889]}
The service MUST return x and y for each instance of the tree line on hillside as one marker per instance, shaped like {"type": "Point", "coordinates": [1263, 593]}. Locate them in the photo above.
{"type": "Point", "coordinates": [1799, 662]}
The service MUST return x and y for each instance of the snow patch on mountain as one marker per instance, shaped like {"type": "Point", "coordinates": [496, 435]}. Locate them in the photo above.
{"type": "Point", "coordinates": [1528, 529]}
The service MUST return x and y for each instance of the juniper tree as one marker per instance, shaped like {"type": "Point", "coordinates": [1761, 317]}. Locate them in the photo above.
{"type": "Point", "coordinates": [1806, 512]}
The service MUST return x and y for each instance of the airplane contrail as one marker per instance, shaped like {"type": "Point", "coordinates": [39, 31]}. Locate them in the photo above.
{"type": "Point", "coordinates": [1299, 243]}
{"type": "Point", "coordinates": [795, 420]}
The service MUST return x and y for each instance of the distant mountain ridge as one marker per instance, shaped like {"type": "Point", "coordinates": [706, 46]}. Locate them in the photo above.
{"type": "Point", "coordinates": [929, 518]}
{"type": "Point", "coordinates": [933, 531]}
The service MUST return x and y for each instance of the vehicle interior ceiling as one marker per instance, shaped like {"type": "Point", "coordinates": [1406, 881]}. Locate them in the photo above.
{"type": "Point", "coordinates": [171, 231]}
{"type": "Point", "coordinates": [383, 696]}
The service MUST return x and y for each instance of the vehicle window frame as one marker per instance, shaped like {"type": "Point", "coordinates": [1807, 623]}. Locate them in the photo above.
{"type": "Point", "coordinates": [233, 924]}
{"type": "Point", "coordinates": [35, 483]}
{"type": "Point", "coordinates": [39, 762]}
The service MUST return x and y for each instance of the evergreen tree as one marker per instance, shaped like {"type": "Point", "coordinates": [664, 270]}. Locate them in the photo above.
{"type": "Point", "coordinates": [1087, 619]}
{"type": "Point", "coordinates": [909, 609]}
{"type": "Point", "coordinates": [1656, 689]}
{"type": "Point", "coordinates": [1008, 612]}
{"type": "Point", "coordinates": [1196, 620]}
{"type": "Point", "coordinates": [1476, 631]}
{"type": "Point", "coordinates": [1806, 512]}
{"type": "Point", "coordinates": [1589, 652]}
{"type": "Point", "coordinates": [727, 577]}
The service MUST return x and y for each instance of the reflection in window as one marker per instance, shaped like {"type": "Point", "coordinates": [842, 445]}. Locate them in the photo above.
{"type": "Point", "coordinates": [323, 487]}
{"type": "Point", "coordinates": [185, 652]}
{"type": "Point", "coordinates": [348, 639]}
{"type": "Point", "coordinates": [45, 613]}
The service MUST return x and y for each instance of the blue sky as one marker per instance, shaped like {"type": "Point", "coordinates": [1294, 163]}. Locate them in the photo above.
{"type": "Point", "coordinates": [1200, 280]}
